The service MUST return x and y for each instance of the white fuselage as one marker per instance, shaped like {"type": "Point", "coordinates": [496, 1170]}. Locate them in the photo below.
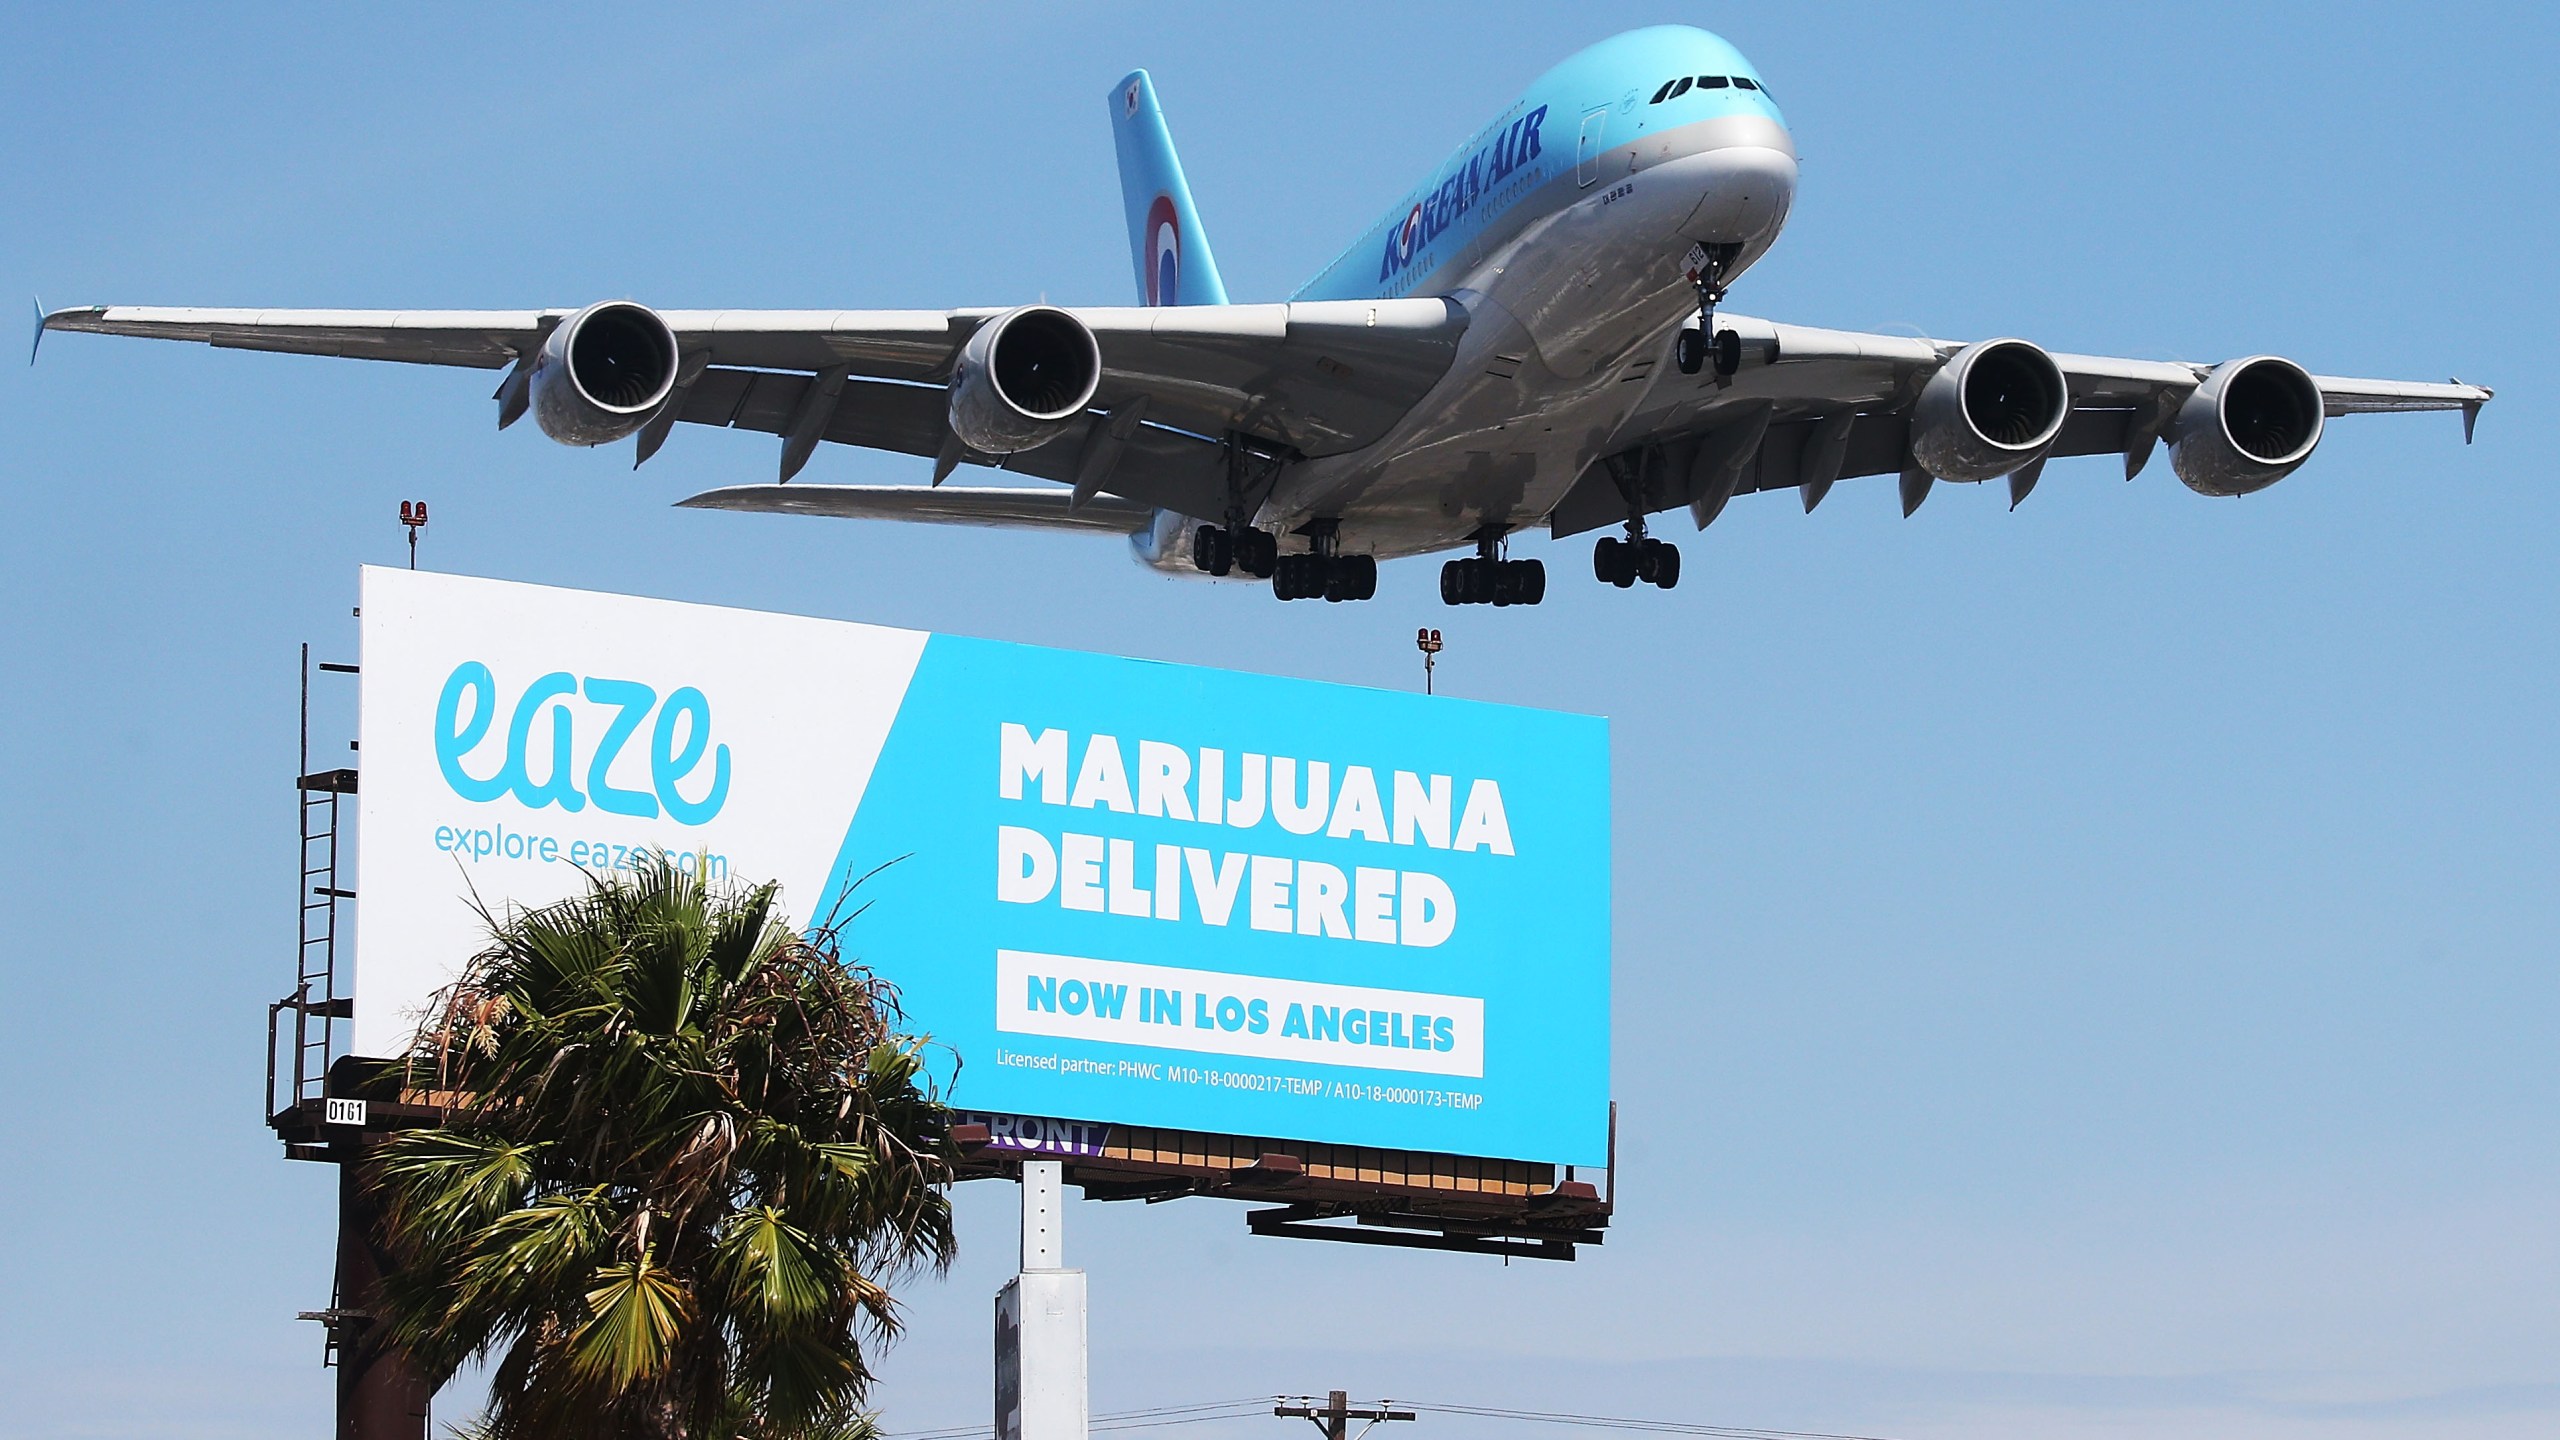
{"type": "Point", "coordinates": [1573, 297]}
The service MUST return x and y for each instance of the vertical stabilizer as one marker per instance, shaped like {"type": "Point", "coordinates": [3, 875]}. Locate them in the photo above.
{"type": "Point", "coordinates": [1165, 239]}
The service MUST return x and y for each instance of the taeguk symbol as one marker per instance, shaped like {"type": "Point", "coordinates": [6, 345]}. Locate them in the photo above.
{"type": "Point", "coordinates": [1164, 253]}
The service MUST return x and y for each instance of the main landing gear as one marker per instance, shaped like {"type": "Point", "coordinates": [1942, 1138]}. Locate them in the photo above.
{"type": "Point", "coordinates": [1639, 556]}
{"type": "Point", "coordinates": [1488, 579]}
{"type": "Point", "coordinates": [1624, 562]}
{"type": "Point", "coordinates": [1223, 550]}
{"type": "Point", "coordinates": [1318, 572]}
{"type": "Point", "coordinates": [1707, 266]}
{"type": "Point", "coordinates": [1334, 577]}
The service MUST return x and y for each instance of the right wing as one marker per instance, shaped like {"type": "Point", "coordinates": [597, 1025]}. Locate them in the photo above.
{"type": "Point", "coordinates": [1313, 378]}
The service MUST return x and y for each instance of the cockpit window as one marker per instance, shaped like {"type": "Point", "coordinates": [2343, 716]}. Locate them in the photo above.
{"type": "Point", "coordinates": [1745, 82]}
{"type": "Point", "coordinates": [1713, 82]}
{"type": "Point", "coordinates": [1679, 87]}
{"type": "Point", "coordinates": [1662, 94]}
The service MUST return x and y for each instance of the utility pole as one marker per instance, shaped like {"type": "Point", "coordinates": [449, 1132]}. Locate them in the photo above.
{"type": "Point", "coordinates": [1426, 640]}
{"type": "Point", "coordinates": [1334, 1417]}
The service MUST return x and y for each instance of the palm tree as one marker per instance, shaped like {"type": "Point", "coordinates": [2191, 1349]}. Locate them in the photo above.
{"type": "Point", "coordinates": [689, 1150]}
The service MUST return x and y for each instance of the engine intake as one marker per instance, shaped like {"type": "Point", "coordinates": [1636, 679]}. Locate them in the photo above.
{"type": "Point", "coordinates": [2250, 424]}
{"type": "Point", "coordinates": [603, 372]}
{"type": "Point", "coordinates": [1993, 407]}
{"type": "Point", "coordinates": [1023, 379]}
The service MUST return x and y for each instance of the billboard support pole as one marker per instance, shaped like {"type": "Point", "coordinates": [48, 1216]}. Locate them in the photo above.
{"type": "Point", "coordinates": [1040, 1330]}
{"type": "Point", "coordinates": [381, 1395]}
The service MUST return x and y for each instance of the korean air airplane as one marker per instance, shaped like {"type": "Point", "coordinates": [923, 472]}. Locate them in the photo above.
{"type": "Point", "coordinates": [1533, 337]}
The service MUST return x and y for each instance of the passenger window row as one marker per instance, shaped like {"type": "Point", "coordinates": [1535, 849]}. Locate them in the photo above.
{"type": "Point", "coordinates": [1677, 86]}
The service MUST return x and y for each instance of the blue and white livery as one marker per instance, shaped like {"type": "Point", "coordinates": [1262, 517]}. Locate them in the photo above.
{"type": "Point", "coordinates": [1532, 337]}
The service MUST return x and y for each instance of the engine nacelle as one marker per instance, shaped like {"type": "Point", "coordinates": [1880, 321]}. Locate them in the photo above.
{"type": "Point", "coordinates": [602, 373]}
{"type": "Point", "coordinates": [1023, 379]}
{"type": "Point", "coordinates": [2250, 424]}
{"type": "Point", "coordinates": [1993, 407]}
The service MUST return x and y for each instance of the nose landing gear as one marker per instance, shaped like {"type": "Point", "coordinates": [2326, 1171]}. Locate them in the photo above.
{"type": "Point", "coordinates": [1707, 265]}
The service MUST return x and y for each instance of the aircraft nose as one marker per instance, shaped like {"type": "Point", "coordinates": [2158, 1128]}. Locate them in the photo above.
{"type": "Point", "coordinates": [1745, 188]}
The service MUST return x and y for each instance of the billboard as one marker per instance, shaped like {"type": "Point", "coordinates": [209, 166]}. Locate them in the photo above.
{"type": "Point", "coordinates": [1118, 890]}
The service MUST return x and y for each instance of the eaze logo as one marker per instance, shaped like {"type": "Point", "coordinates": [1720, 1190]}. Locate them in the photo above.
{"type": "Point", "coordinates": [1164, 253]}
{"type": "Point", "coordinates": [549, 731]}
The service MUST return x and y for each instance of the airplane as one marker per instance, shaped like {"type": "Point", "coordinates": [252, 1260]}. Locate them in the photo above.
{"type": "Point", "coordinates": [1533, 336]}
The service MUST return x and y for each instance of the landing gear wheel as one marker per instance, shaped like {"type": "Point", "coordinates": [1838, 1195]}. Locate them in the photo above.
{"type": "Point", "coordinates": [1257, 552]}
{"type": "Point", "coordinates": [1533, 581]}
{"type": "Point", "coordinates": [1210, 552]}
{"type": "Point", "coordinates": [1615, 561]}
{"type": "Point", "coordinates": [1728, 353]}
{"type": "Point", "coordinates": [1453, 583]}
{"type": "Point", "coordinates": [1690, 352]}
{"type": "Point", "coordinates": [1666, 563]}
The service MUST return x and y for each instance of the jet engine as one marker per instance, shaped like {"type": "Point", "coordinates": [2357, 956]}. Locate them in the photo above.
{"type": "Point", "coordinates": [1023, 379]}
{"type": "Point", "coordinates": [1995, 406]}
{"type": "Point", "coordinates": [602, 373]}
{"type": "Point", "coordinates": [2250, 424]}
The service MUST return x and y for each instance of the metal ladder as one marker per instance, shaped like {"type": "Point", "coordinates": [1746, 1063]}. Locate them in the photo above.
{"type": "Point", "coordinates": [316, 1003]}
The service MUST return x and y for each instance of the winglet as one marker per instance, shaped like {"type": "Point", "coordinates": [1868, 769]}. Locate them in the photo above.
{"type": "Point", "coordinates": [39, 341]}
{"type": "Point", "coordinates": [2470, 412]}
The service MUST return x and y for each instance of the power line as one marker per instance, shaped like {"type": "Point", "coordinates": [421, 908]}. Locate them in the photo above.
{"type": "Point", "coordinates": [1606, 1422]}
{"type": "Point", "coordinates": [1157, 1416]}
{"type": "Point", "coordinates": [1147, 1418]}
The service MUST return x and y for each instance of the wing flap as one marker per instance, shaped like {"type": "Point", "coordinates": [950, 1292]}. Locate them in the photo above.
{"type": "Point", "coordinates": [1012, 509]}
{"type": "Point", "coordinates": [1155, 467]}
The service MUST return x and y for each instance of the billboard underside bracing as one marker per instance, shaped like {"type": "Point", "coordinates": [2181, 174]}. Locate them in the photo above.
{"type": "Point", "coordinates": [1114, 889]}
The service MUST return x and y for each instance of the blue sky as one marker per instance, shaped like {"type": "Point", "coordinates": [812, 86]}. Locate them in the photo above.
{"type": "Point", "coordinates": [2080, 971]}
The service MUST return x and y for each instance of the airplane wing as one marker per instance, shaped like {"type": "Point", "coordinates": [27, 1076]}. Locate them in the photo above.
{"type": "Point", "coordinates": [1809, 407]}
{"type": "Point", "coordinates": [1317, 378]}
{"type": "Point", "coordinates": [1014, 509]}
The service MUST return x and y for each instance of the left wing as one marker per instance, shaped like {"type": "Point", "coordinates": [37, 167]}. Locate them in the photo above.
{"type": "Point", "coordinates": [1006, 509]}
{"type": "Point", "coordinates": [1808, 407]}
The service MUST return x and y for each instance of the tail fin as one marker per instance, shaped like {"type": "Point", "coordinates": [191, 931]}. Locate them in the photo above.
{"type": "Point", "coordinates": [1165, 238]}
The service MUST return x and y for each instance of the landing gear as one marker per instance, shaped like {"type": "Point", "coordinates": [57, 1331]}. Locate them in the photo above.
{"type": "Point", "coordinates": [1252, 468]}
{"type": "Point", "coordinates": [1707, 266]}
{"type": "Point", "coordinates": [1221, 550]}
{"type": "Point", "coordinates": [1488, 579]}
{"type": "Point", "coordinates": [1624, 562]}
{"type": "Point", "coordinates": [1333, 577]}
{"type": "Point", "coordinates": [1322, 570]}
{"type": "Point", "coordinates": [1639, 556]}
{"type": "Point", "coordinates": [1493, 582]}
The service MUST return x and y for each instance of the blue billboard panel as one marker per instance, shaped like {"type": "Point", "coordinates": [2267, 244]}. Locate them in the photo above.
{"type": "Point", "coordinates": [1115, 890]}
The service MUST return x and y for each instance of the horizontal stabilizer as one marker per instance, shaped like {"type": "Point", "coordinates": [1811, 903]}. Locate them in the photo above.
{"type": "Point", "coordinates": [1013, 509]}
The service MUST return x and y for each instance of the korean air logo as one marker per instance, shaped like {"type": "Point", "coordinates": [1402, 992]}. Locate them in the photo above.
{"type": "Point", "coordinates": [1409, 238]}
{"type": "Point", "coordinates": [572, 733]}
{"type": "Point", "coordinates": [1164, 253]}
{"type": "Point", "coordinates": [1129, 100]}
